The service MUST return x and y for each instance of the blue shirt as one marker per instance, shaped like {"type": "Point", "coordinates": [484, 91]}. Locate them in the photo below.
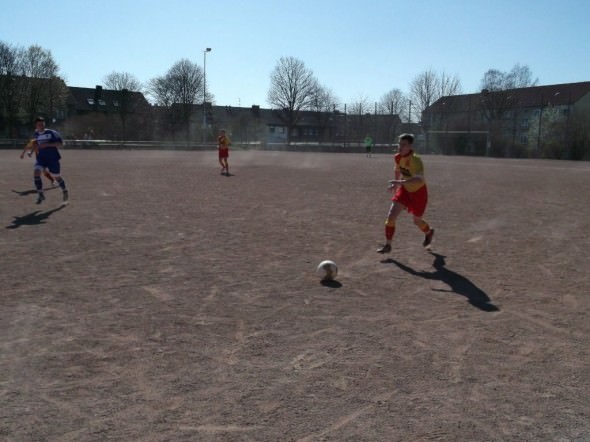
{"type": "Point", "coordinates": [48, 153]}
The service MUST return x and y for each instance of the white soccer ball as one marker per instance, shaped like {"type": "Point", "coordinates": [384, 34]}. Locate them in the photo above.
{"type": "Point", "coordinates": [327, 270]}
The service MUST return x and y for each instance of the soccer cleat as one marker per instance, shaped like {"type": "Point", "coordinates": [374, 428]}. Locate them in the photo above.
{"type": "Point", "coordinates": [384, 249]}
{"type": "Point", "coordinates": [66, 196]}
{"type": "Point", "coordinates": [428, 238]}
{"type": "Point", "coordinates": [40, 198]}
{"type": "Point", "coordinates": [55, 184]}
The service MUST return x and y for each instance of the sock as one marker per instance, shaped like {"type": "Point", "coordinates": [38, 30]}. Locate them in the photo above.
{"type": "Point", "coordinates": [389, 230]}
{"type": "Point", "coordinates": [61, 183]}
{"type": "Point", "coordinates": [424, 227]}
{"type": "Point", "coordinates": [38, 183]}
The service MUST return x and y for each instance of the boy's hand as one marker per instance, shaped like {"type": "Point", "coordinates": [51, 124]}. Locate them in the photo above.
{"type": "Point", "coordinates": [392, 185]}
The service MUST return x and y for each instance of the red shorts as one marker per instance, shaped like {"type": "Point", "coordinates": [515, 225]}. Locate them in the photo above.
{"type": "Point", "coordinates": [415, 202]}
{"type": "Point", "coordinates": [223, 153]}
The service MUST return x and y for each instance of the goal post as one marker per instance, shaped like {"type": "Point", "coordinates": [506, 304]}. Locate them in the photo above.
{"type": "Point", "coordinates": [459, 142]}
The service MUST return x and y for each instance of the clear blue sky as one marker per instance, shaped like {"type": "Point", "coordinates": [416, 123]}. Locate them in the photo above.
{"type": "Point", "coordinates": [358, 49]}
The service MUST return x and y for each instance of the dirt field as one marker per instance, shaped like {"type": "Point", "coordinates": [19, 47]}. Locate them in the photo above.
{"type": "Point", "coordinates": [169, 303]}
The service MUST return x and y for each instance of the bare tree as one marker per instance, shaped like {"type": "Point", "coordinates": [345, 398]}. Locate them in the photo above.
{"type": "Point", "coordinates": [160, 91]}
{"type": "Point", "coordinates": [38, 63]}
{"type": "Point", "coordinates": [361, 106]}
{"type": "Point", "coordinates": [182, 84]}
{"type": "Point", "coordinates": [44, 92]}
{"type": "Point", "coordinates": [424, 90]}
{"type": "Point", "coordinates": [180, 89]}
{"type": "Point", "coordinates": [323, 99]}
{"type": "Point", "coordinates": [322, 104]}
{"type": "Point", "coordinates": [428, 86]}
{"type": "Point", "coordinates": [497, 98]}
{"type": "Point", "coordinates": [358, 116]}
{"type": "Point", "coordinates": [123, 83]}
{"type": "Point", "coordinates": [9, 65]}
{"type": "Point", "coordinates": [449, 85]}
{"type": "Point", "coordinates": [493, 80]}
{"type": "Point", "coordinates": [118, 81]}
{"type": "Point", "coordinates": [393, 102]}
{"type": "Point", "coordinates": [292, 89]}
{"type": "Point", "coordinates": [8, 60]}
{"type": "Point", "coordinates": [518, 77]}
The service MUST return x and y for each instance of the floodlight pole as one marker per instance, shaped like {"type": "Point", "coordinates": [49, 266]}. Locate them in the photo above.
{"type": "Point", "coordinates": [205, 92]}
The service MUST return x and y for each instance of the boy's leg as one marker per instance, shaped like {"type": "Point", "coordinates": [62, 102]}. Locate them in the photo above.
{"type": "Point", "coordinates": [55, 170]}
{"type": "Point", "coordinates": [38, 185]}
{"type": "Point", "coordinates": [47, 175]}
{"type": "Point", "coordinates": [394, 211]}
{"type": "Point", "coordinates": [426, 229]}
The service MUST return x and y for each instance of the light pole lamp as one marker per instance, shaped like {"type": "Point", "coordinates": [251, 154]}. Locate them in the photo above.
{"type": "Point", "coordinates": [205, 90]}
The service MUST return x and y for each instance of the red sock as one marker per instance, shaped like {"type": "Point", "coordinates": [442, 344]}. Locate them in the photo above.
{"type": "Point", "coordinates": [389, 231]}
{"type": "Point", "coordinates": [424, 227]}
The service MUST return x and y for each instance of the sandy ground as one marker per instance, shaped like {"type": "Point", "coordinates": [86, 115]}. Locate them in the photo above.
{"type": "Point", "coordinates": [169, 303]}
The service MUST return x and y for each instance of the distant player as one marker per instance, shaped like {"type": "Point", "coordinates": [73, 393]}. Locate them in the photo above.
{"type": "Point", "coordinates": [48, 141]}
{"type": "Point", "coordinates": [368, 142]}
{"type": "Point", "coordinates": [29, 149]}
{"type": "Point", "coordinates": [223, 143]}
{"type": "Point", "coordinates": [410, 192]}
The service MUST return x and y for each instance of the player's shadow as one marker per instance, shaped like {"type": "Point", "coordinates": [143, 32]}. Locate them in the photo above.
{"type": "Point", "coordinates": [31, 191]}
{"type": "Point", "coordinates": [32, 219]}
{"type": "Point", "coordinates": [458, 284]}
{"type": "Point", "coordinates": [332, 283]}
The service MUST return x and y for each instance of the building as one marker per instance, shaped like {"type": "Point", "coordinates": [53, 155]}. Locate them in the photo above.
{"type": "Point", "coordinates": [536, 122]}
{"type": "Point", "coordinates": [256, 126]}
{"type": "Point", "coordinates": [86, 114]}
{"type": "Point", "coordinates": [97, 113]}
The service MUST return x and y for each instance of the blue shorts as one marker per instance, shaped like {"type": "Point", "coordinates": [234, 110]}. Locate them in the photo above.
{"type": "Point", "coordinates": [48, 158]}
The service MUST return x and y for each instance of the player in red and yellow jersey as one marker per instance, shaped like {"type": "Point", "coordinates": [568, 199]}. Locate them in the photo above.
{"type": "Point", "coordinates": [410, 192]}
{"type": "Point", "coordinates": [223, 143]}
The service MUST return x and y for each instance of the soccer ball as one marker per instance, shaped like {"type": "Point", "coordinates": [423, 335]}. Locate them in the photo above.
{"type": "Point", "coordinates": [327, 270]}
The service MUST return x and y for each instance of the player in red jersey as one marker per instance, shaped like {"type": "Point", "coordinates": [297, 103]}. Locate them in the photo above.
{"type": "Point", "coordinates": [223, 143]}
{"type": "Point", "coordinates": [410, 192]}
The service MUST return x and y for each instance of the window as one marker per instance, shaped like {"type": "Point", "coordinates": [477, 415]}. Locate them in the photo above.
{"type": "Point", "coordinates": [90, 101]}
{"type": "Point", "coordinates": [524, 124]}
{"type": "Point", "coordinates": [524, 139]}
{"type": "Point", "coordinates": [116, 103]}
{"type": "Point", "coordinates": [102, 102]}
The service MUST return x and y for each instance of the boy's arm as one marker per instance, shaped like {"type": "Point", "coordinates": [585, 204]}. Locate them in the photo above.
{"type": "Point", "coordinates": [30, 146]}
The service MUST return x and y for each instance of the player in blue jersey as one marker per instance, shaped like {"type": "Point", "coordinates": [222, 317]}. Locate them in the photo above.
{"type": "Point", "coordinates": [48, 141]}
{"type": "Point", "coordinates": [31, 148]}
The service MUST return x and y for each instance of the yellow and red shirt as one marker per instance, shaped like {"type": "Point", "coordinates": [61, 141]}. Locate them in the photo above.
{"type": "Point", "coordinates": [223, 142]}
{"type": "Point", "coordinates": [410, 166]}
